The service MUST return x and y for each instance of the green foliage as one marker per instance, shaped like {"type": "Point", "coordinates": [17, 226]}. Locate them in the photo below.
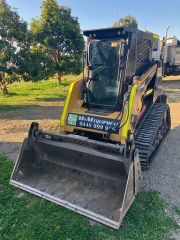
{"type": "Point", "coordinates": [14, 39]}
{"type": "Point", "coordinates": [127, 21]}
{"type": "Point", "coordinates": [12, 28]}
{"type": "Point", "coordinates": [36, 65]}
{"type": "Point", "coordinates": [24, 216]}
{"type": "Point", "coordinates": [18, 58]}
{"type": "Point", "coordinates": [57, 33]}
{"type": "Point", "coordinates": [54, 44]}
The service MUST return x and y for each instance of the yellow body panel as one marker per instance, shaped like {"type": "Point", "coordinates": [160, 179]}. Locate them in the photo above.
{"type": "Point", "coordinates": [150, 91]}
{"type": "Point", "coordinates": [72, 100]}
{"type": "Point", "coordinates": [156, 36]}
{"type": "Point", "coordinates": [74, 105]}
{"type": "Point", "coordinates": [127, 118]}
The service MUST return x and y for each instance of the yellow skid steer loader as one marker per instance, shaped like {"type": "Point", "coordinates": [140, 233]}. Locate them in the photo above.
{"type": "Point", "coordinates": [113, 121]}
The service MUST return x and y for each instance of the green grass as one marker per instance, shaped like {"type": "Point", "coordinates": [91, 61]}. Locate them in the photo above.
{"type": "Point", "coordinates": [23, 93]}
{"type": "Point", "coordinates": [26, 217]}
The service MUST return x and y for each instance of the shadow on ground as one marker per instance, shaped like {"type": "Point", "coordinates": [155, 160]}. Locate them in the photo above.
{"type": "Point", "coordinates": [51, 99]}
{"type": "Point", "coordinates": [30, 112]}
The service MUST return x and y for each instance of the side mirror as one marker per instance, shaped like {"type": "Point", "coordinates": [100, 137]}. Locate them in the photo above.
{"type": "Point", "coordinates": [84, 63]}
{"type": "Point", "coordinates": [85, 58]}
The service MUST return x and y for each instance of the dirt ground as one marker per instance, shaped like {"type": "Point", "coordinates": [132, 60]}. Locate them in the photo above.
{"type": "Point", "coordinates": [14, 125]}
{"type": "Point", "coordinates": [164, 175]}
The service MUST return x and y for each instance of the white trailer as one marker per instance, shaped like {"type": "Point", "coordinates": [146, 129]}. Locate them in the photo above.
{"type": "Point", "coordinates": [171, 56]}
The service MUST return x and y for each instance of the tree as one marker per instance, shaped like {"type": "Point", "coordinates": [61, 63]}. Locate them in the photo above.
{"type": "Point", "coordinates": [127, 21]}
{"type": "Point", "coordinates": [58, 34]}
{"type": "Point", "coordinates": [35, 65]}
{"type": "Point", "coordinates": [18, 59]}
{"type": "Point", "coordinates": [13, 40]}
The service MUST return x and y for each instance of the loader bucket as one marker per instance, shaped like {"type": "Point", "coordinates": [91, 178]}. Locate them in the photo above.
{"type": "Point", "coordinates": [77, 173]}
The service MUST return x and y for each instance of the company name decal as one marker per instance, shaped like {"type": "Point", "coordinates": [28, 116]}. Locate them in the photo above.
{"type": "Point", "coordinates": [96, 123]}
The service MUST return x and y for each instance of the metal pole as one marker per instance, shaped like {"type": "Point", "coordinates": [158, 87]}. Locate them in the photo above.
{"type": "Point", "coordinates": [164, 48]}
{"type": "Point", "coordinates": [167, 29]}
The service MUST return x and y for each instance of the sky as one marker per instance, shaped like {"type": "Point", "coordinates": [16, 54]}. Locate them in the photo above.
{"type": "Point", "coordinates": [152, 15]}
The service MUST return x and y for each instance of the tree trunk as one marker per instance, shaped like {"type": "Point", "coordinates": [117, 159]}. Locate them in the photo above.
{"type": "Point", "coordinates": [59, 78]}
{"type": "Point", "coordinates": [3, 88]}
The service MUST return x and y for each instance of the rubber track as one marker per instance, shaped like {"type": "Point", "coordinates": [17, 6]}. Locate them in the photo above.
{"type": "Point", "coordinates": [147, 132]}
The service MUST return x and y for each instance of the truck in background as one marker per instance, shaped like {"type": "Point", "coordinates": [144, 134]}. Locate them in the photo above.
{"type": "Point", "coordinates": [171, 56]}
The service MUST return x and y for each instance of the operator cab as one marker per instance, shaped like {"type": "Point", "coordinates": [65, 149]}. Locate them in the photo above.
{"type": "Point", "coordinates": [114, 57]}
{"type": "Point", "coordinates": [104, 71]}
{"type": "Point", "coordinates": [107, 53]}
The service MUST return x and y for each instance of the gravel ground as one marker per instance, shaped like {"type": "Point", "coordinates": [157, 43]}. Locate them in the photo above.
{"type": "Point", "coordinates": [164, 174]}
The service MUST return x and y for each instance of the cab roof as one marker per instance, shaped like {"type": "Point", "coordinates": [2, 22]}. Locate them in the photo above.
{"type": "Point", "coordinates": [109, 32]}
